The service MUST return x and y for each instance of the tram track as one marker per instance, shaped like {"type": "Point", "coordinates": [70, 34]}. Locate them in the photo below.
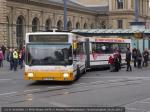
{"type": "Point", "coordinates": [76, 88]}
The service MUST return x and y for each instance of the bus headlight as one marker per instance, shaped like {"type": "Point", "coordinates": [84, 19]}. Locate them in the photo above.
{"type": "Point", "coordinates": [66, 75]}
{"type": "Point", "coordinates": [30, 74]}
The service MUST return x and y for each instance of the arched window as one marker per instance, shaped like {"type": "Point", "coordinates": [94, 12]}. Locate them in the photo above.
{"type": "Point", "coordinates": [77, 25]}
{"type": "Point", "coordinates": [120, 4]}
{"type": "Point", "coordinates": [103, 24]}
{"type": "Point", "coordinates": [59, 25]}
{"type": "Point", "coordinates": [48, 25]}
{"type": "Point", "coordinates": [69, 25]}
{"type": "Point", "coordinates": [20, 24]}
{"type": "Point", "coordinates": [92, 26]}
{"type": "Point", "coordinates": [35, 24]}
{"type": "Point", "coordinates": [85, 26]}
{"type": "Point", "coordinates": [8, 32]}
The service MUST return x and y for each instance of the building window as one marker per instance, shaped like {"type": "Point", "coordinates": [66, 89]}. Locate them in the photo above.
{"type": "Point", "coordinates": [77, 25]}
{"type": "Point", "coordinates": [120, 24]}
{"type": "Point", "coordinates": [85, 26]}
{"type": "Point", "coordinates": [103, 25]}
{"type": "Point", "coordinates": [92, 26]}
{"type": "Point", "coordinates": [35, 24]}
{"type": "Point", "coordinates": [69, 25]}
{"type": "Point", "coordinates": [48, 25]}
{"type": "Point", "coordinates": [20, 30]}
{"type": "Point", "coordinates": [59, 25]}
{"type": "Point", "coordinates": [120, 4]}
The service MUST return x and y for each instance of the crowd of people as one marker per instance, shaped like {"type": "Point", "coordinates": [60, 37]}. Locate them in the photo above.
{"type": "Point", "coordinates": [15, 57]}
{"type": "Point", "coordinates": [139, 59]}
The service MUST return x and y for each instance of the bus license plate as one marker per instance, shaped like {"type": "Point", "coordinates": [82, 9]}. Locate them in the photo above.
{"type": "Point", "coordinates": [48, 78]}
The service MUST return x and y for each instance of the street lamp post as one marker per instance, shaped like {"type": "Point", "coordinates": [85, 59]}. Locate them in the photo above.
{"type": "Point", "coordinates": [65, 15]}
{"type": "Point", "coordinates": [136, 10]}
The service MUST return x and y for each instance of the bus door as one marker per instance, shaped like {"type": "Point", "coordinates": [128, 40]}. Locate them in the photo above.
{"type": "Point", "coordinates": [79, 57]}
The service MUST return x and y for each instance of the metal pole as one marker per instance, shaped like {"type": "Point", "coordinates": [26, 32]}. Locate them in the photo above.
{"type": "Point", "coordinates": [136, 10]}
{"type": "Point", "coordinates": [65, 15]}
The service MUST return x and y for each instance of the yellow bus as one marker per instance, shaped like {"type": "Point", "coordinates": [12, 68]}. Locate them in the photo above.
{"type": "Point", "coordinates": [55, 56]}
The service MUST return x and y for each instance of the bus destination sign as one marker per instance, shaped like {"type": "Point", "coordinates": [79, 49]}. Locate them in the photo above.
{"type": "Point", "coordinates": [48, 38]}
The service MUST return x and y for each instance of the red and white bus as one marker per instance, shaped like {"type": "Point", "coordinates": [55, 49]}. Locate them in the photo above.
{"type": "Point", "coordinates": [99, 49]}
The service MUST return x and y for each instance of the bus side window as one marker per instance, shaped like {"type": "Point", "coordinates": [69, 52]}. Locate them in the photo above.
{"type": "Point", "coordinates": [79, 49]}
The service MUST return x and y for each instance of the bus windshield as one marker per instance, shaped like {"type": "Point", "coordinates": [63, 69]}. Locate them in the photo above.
{"type": "Point", "coordinates": [50, 54]}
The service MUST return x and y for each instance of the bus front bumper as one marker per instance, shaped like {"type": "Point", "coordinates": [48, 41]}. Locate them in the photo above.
{"type": "Point", "coordinates": [51, 76]}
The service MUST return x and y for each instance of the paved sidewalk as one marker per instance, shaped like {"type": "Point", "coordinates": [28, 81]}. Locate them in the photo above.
{"type": "Point", "coordinates": [6, 66]}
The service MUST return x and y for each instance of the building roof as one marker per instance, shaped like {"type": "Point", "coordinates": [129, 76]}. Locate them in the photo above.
{"type": "Point", "coordinates": [75, 5]}
{"type": "Point", "coordinates": [96, 32]}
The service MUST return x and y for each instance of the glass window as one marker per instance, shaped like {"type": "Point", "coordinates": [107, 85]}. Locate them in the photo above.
{"type": "Point", "coordinates": [120, 24]}
{"type": "Point", "coordinates": [120, 4]}
{"type": "Point", "coordinates": [69, 25]}
{"type": "Point", "coordinates": [108, 48]}
{"type": "Point", "coordinates": [48, 25]}
{"type": "Point", "coordinates": [59, 25]}
{"type": "Point", "coordinates": [80, 48]}
{"type": "Point", "coordinates": [35, 24]}
{"type": "Point", "coordinates": [101, 48]}
{"type": "Point", "coordinates": [49, 55]}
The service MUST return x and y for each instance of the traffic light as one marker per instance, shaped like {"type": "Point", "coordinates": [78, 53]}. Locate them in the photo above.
{"type": "Point", "coordinates": [138, 35]}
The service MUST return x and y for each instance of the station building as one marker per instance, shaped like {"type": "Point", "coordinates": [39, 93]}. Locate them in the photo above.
{"type": "Point", "coordinates": [21, 16]}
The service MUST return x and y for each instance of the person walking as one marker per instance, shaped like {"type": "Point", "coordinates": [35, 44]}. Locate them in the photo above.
{"type": "Point", "coordinates": [3, 48]}
{"type": "Point", "coordinates": [10, 59]}
{"type": "Point", "coordinates": [1, 58]}
{"type": "Point", "coordinates": [21, 58]}
{"type": "Point", "coordinates": [128, 59]}
{"type": "Point", "coordinates": [15, 59]}
{"type": "Point", "coordinates": [134, 56]}
{"type": "Point", "coordinates": [116, 62]}
{"type": "Point", "coordinates": [119, 58]}
{"type": "Point", "coordinates": [145, 57]}
{"type": "Point", "coordinates": [139, 58]}
{"type": "Point", "coordinates": [111, 63]}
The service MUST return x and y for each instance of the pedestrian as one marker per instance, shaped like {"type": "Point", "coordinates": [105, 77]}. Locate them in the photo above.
{"type": "Point", "coordinates": [116, 62]}
{"type": "Point", "coordinates": [15, 59]}
{"type": "Point", "coordinates": [145, 57]}
{"type": "Point", "coordinates": [134, 56]}
{"type": "Point", "coordinates": [1, 58]}
{"type": "Point", "coordinates": [3, 48]}
{"type": "Point", "coordinates": [21, 58]}
{"type": "Point", "coordinates": [120, 58]}
{"type": "Point", "coordinates": [10, 58]}
{"type": "Point", "coordinates": [111, 63]}
{"type": "Point", "coordinates": [139, 58]}
{"type": "Point", "coordinates": [128, 59]}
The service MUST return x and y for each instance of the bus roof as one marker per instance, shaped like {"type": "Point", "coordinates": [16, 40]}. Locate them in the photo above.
{"type": "Point", "coordinates": [48, 33]}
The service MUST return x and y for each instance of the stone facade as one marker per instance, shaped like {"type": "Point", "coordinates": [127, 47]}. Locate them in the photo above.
{"type": "Point", "coordinates": [3, 30]}
{"type": "Point", "coordinates": [26, 12]}
{"type": "Point", "coordinates": [21, 16]}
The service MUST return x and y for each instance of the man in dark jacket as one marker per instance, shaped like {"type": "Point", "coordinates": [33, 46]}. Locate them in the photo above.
{"type": "Point", "coordinates": [128, 59]}
{"type": "Point", "coordinates": [134, 56]}
{"type": "Point", "coordinates": [10, 59]}
{"type": "Point", "coordinates": [145, 57]}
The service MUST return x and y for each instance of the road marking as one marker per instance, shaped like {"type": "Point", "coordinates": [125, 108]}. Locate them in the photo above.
{"type": "Point", "coordinates": [5, 79]}
{"type": "Point", "coordinates": [120, 77]}
{"type": "Point", "coordinates": [131, 109]}
{"type": "Point", "coordinates": [31, 90]}
{"type": "Point", "coordinates": [8, 93]}
{"type": "Point", "coordinates": [55, 87]}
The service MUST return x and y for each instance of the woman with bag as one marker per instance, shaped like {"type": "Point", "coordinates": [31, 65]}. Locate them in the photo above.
{"type": "Point", "coordinates": [1, 57]}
